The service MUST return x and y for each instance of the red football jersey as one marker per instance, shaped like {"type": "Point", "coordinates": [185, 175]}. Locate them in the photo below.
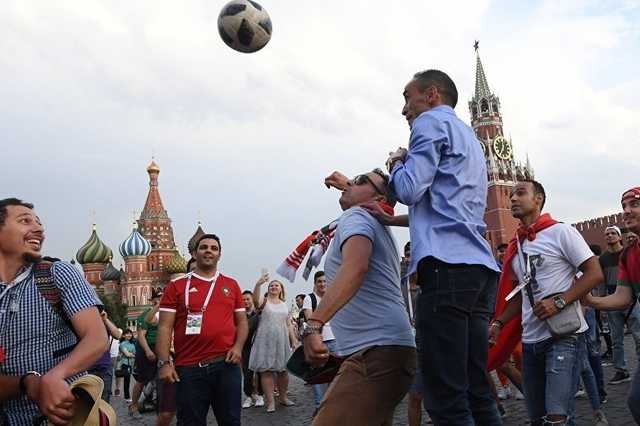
{"type": "Point", "coordinates": [218, 332]}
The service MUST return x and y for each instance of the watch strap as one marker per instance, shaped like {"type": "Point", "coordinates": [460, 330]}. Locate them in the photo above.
{"type": "Point", "coordinates": [21, 383]}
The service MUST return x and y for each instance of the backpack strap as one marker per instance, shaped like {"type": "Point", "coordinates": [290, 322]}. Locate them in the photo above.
{"type": "Point", "coordinates": [45, 282]}
{"type": "Point", "coordinates": [314, 301]}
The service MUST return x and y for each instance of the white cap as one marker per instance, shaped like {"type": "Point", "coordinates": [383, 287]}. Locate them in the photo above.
{"type": "Point", "coordinates": [615, 228]}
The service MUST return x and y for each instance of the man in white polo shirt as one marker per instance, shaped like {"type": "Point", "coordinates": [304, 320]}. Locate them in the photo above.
{"type": "Point", "coordinates": [309, 305]}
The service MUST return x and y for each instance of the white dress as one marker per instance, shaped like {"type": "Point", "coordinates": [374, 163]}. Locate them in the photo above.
{"type": "Point", "coordinates": [271, 350]}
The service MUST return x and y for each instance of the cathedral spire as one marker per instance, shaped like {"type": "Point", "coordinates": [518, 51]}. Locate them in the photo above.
{"type": "Point", "coordinates": [153, 207]}
{"type": "Point", "coordinates": [482, 85]}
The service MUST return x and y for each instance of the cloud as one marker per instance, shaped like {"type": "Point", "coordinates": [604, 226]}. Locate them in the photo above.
{"type": "Point", "coordinates": [91, 89]}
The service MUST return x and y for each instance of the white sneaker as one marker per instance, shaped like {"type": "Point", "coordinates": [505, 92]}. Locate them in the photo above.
{"type": "Point", "coordinates": [519, 395]}
{"type": "Point", "coordinates": [259, 401]}
{"type": "Point", "coordinates": [247, 402]}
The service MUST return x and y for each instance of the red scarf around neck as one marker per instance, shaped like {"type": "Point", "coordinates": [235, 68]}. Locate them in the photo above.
{"type": "Point", "coordinates": [511, 333]}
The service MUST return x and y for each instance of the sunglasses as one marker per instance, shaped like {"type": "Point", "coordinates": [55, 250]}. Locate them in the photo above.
{"type": "Point", "coordinates": [364, 179]}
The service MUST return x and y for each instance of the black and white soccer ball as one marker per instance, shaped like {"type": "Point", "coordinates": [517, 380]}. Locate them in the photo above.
{"type": "Point", "coordinates": [244, 26]}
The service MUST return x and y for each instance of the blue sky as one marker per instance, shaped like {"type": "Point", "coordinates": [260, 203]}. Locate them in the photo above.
{"type": "Point", "coordinates": [92, 89]}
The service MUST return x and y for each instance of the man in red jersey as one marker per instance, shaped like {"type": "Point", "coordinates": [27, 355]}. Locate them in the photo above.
{"type": "Point", "coordinates": [628, 286]}
{"type": "Point", "coordinates": [205, 312]}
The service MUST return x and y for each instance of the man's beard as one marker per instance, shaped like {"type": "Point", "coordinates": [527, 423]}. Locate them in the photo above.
{"type": "Point", "coordinates": [31, 258]}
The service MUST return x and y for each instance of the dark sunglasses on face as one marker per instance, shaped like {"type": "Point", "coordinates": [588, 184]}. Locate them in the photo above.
{"type": "Point", "coordinates": [364, 179]}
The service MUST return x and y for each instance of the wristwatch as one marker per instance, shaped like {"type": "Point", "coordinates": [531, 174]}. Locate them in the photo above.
{"type": "Point", "coordinates": [22, 385]}
{"type": "Point", "coordinates": [162, 362]}
{"type": "Point", "coordinates": [311, 329]}
{"type": "Point", "coordinates": [559, 302]}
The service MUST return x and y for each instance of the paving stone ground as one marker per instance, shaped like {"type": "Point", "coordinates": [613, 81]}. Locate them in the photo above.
{"type": "Point", "coordinates": [615, 410]}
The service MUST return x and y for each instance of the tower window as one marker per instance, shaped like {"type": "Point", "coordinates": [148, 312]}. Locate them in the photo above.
{"type": "Point", "coordinates": [484, 106]}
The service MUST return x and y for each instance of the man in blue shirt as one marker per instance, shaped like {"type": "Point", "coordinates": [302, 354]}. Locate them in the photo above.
{"type": "Point", "coordinates": [442, 178]}
{"type": "Point", "coordinates": [364, 303]}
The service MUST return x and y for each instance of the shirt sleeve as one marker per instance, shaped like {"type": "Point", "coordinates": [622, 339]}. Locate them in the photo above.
{"type": "Point", "coordinates": [169, 301]}
{"type": "Point", "coordinates": [306, 303]}
{"type": "Point", "coordinates": [77, 294]}
{"type": "Point", "coordinates": [410, 181]}
{"type": "Point", "coordinates": [239, 302]}
{"type": "Point", "coordinates": [356, 221]}
{"type": "Point", "coordinates": [574, 247]}
{"type": "Point", "coordinates": [623, 272]}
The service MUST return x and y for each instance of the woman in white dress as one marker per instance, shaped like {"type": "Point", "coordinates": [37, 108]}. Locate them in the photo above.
{"type": "Point", "coordinates": [272, 343]}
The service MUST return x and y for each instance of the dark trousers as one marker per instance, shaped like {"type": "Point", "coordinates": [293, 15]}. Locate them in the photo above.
{"type": "Point", "coordinates": [453, 314]}
{"type": "Point", "coordinates": [247, 375]}
{"type": "Point", "coordinates": [217, 386]}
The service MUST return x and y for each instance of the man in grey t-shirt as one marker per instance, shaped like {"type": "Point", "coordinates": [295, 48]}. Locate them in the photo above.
{"type": "Point", "coordinates": [365, 305]}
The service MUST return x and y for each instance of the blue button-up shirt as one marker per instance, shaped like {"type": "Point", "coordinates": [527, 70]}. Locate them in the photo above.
{"type": "Point", "coordinates": [444, 182]}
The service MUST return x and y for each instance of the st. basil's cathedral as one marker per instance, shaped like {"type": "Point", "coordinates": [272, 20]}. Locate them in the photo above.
{"type": "Point", "coordinates": [151, 258]}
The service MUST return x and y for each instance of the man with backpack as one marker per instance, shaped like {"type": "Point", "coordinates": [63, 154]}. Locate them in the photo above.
{"type": "Point", "coordinates": [50, 328]}
{"type": "Point", "coordinates": [308, 307]}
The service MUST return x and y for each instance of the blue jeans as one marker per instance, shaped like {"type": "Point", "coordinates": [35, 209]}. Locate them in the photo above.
{"type": "Point", "coordinates": [550, 371]}
{"type": "Point", "coordinates": [216, 385]}
{"type": "Point", "coordinates": [593, 350]}
{"type": "Point", "coordinates": [321, 389]}
{"type": "Point", "coordinates": [633, 400]}
{"type": "Point", "coordinates": [453, 314]}
{"type": "Point", "coordinates": [585, 372]}
{"type": "Point", "coordinates": [616, 321]}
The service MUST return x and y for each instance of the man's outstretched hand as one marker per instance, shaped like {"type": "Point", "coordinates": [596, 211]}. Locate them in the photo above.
{"type": "Point", "coordinates": [337, 180]}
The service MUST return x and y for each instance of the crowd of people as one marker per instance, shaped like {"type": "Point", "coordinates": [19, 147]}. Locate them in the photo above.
{"type": "Point", "coordinates": [452, 325]}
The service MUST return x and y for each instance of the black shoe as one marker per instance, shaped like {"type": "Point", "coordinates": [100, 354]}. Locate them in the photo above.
{"type": "Point", "coordinates": [620, 377]}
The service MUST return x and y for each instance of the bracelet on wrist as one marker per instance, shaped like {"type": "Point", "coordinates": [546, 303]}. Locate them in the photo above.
{"type": "Point", "coordinates": [21, 383]}
{"type": "Point", "coordinates": [497, 323]}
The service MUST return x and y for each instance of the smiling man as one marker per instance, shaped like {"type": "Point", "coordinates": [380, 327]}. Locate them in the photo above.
{"type": "Point", "coordinates": [628, 286]}
{"type": "Point", "coordinates": [206, 314]}
{"type": "Point", "coordinates": [41, 350]}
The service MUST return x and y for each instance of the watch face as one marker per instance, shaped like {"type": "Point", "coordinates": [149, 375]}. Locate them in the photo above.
{"type": "Point", "coordinates": [502, 148]}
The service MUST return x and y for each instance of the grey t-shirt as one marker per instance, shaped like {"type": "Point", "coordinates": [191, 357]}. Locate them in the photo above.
{"type": "Point", "coordinates": [376, 315]}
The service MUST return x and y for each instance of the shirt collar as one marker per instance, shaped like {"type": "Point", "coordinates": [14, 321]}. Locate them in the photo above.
{"type": "Point", "coordinates": [23, 273]}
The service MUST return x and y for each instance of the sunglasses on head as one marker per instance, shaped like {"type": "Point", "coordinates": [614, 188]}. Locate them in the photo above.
{"type": "Point", "coordinates": [364, 179]}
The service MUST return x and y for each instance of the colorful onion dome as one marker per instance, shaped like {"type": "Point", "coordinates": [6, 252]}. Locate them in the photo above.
{"type": "Point", "coordinates": [110, 273]}
{"type": "Point", "coordinates": [94, 250]}
{"type": "Point", "coordinates": [177, 264]}
{"type": "Point", "coordinates": [192, 242]}
{"type": "Point", "coordinates": [135, 244]}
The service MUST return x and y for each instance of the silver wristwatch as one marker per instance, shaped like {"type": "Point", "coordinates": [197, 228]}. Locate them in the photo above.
{"type": "Point", "coordinates": [559, 302]}
{"type": "Point", "coordinates": [311, 329]}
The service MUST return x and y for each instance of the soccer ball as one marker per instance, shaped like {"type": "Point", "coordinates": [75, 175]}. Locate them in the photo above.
{"type": "Point", "coordinates": [244, 26]}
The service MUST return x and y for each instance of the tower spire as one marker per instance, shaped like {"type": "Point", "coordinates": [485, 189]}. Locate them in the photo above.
{"type": "Point", "coordinates": [153, 207]}
{"type": "Point", "coordinates": [482, 86]}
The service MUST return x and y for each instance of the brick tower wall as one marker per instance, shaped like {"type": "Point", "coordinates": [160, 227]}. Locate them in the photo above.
{"type": "Point", "coordinates": [593, 229]}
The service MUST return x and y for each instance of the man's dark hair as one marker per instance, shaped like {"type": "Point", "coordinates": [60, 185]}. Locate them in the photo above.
{"type": "Point", "coordinates": [595, 249]}
{"type": "Point", "coordinates": [209, 237]}
{"type": "Point", "coordinates": [537, 189]}
{"type": "Point", "coordinates": [502, 246]}
{"type": "Point", "coordinates": [249, 292]}
{"type": "Point", "coordinates": [318, 274]}
{"type": "Point", "coordinates": [446, 87]}
{"type": "Point", "coordinates": [189, 263]}
{"type": "Point", "coordinates": [301, 296]}
{"type": "Point", "coordinates": [11, 202]}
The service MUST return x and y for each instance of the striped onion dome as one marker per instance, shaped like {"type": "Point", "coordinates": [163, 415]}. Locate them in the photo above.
{"type": "Point", "coordinates": [110, 273]}
{"type": "Point", "coordinates": [177, 264]}
{"type": "Point", "coordinates": [94, 250]}
{"type": "Point", "coordinates": [135, 245]}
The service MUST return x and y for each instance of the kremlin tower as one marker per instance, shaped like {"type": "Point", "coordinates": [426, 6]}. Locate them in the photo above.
{"type": "Point", "coordinates": [502, 170]}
